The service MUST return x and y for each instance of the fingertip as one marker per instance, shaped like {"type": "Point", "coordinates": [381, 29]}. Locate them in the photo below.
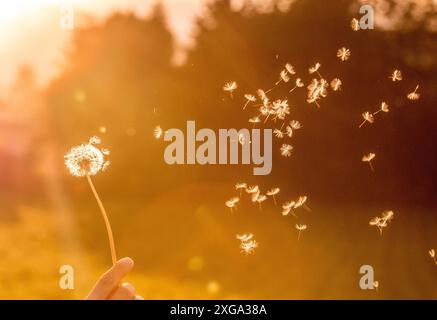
{"type": "Point", "coordinates": [130, 288]}
{"type": "Point", "coordinates": [126, 262]}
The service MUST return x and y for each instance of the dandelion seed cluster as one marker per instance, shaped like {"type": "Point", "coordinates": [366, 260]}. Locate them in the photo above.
{"type": "Point", "coordinates": [86, 159]}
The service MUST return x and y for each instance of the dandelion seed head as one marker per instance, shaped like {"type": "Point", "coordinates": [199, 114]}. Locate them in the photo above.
{"type": "Point", "coordinates": [384, 107]}
{"type": "Point", "coordinates": [245, 237]}
{"type": "Point", "coordinates": [289, 131]}
{"type": "Point", "coordinates": [300, 201]}
{"type": "Point", "coordinates": [317, 89]}
{"type": "Point", "coordinates": [86, 159]}
{"type": "Point", "coordinates": [288, 205]}
{"type": "Point", "coordinates": [240, 185]}
{"type": "Point", "coordinates": [432, 253]}
{"type": "Point", "coordinates": [299, 83]}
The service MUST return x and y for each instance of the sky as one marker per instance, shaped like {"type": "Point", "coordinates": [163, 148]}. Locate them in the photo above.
{"type": "Point", "coordinates": [31, 33]}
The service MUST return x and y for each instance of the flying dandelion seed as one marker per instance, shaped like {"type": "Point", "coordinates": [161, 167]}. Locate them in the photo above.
{"type": "Point", "coordinates": [396, 76]}
{"type": "Point", "coordinates": [315, 69]}
{"type": "Point", "coordinates": [299, 84]}
{"type": "Point", "coordinates": [414, 95]}
{"type": "Point", "coordinates": [249, 98]}
{"type": "Point", "coordinates": [283, 77]}
{"type": "Point", "coordinates": [86, 160]}
{"type": "Point", "coordinates": [368, 117]}
{"type": "Point", "coordinates": [240, 186]}
{"type": "Point", "coordinates": [290, 69]}
{"type": "Point", "coordinates": [344, 54]}
{"type": "Point", "coordinates": [260, 199]}
{"type": "Point", "coordinates": [382, 222]}
{"type": "Point", "coordinates": [431, 253]}
{"type": "Point", "coordinates": [287, 208]}
{"type": "Point", "coordinates": [248, 247]}
{"type": "Point", "coordinates": [231, 203]}
{"type": "Point", "coordinates": [355, 24]}
{"type": "Point", "coordinates": [157, 132]}
{"type": "Point", "coordinates": [252, 189]}
{"type": "Point", "coordinates": [301, 202]}
{"type": "Point", "coordinates": [317, 90]}
{"type": "Point", "coordinates": [272, 193]}
{"type": "Point", "coordinates": [289, 131]}
{"type": "Point", "coordinates": [230, 87]}
{"type": "Point", "coordinates": [245, 237]}
{"type": "Point", "coordinates": [278, 133]}
{"type": "Point", "coordinates": [383, 108]}
{"type": "Point", "coordinates": [286, 150]}
{"type": "Point", "coordinates": [255, 195]}
{"type": "Point", "coordinates": [262, 94]}
{"type": "Point", "coordinates": [296, 125]}
{"type": "Point", "coordinates": [300, 227]}
{"type": "Point", "coordinates": [368, 158]}
{"type": "Point", "coordinates": [254, 120]}
{"type": "Point", "coordinates": [336, 84]}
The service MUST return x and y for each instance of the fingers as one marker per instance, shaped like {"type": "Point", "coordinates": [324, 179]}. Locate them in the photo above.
{"type": "Point", "coordinates": [111, 279]}
{"type": "Point", "coordinates": [124, 292]}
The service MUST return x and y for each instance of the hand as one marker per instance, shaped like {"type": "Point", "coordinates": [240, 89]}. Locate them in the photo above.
{"type": "Point", "coordinates": [108, 287]}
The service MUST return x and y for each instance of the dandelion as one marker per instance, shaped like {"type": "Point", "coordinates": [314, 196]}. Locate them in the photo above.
{"type": "Point", "coordinates": [300, 227]}
{"type": "Point", "coordinates": [287, 208]}
{"type": "Point", "coordinates": [230, 87]}
{"type": "Point", "coordinates": [343, 54]}
{"type": "Point", "coordinates": [368, 158]}
{"type": "Point", "coordinates": [262, 94]}
{"type": "Point", "coordinates": [396, 76]}
{"type": "Point", "coordinates": [336, 84]}
{"type": "Point", "coordinates": [368, 117]}
{"type": "Point", "coordinates": [355, 24]}
{"type": "Point", "coordinates": [414, 95]}
{"type": "Point", "coordinates": [431, 253]}
{"type": "Point", "coordinates": [382, 222]}
{"type": "Point", "coordinates": [231, 203]}
{"type": "Point", "coordinates": [158, 132]}
{"type": "Point", "coordinates": [86, 160]}
{"type": "Point", "coordinates": [289, 131]}
{"type": "Point", "coordinates": [249, 98]}
{"type": "Point", "coordinates": [272, 193]}
{"type": "Point", "coordinates": [317, 90]}
{"type": "Point", "coordinates": [286, 150]}
{"type": "Point", "coordinates": [299, 84]}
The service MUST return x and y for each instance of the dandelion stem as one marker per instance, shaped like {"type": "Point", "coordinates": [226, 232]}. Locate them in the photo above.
{"type": "Point", "coordinates": [105, 218]}
{"type": "Point", "coordinates": [362, 123]}
{"type": "Point", "coordinates": [371, 166]}
{"type": "Point", "coordinates": [298, 235]}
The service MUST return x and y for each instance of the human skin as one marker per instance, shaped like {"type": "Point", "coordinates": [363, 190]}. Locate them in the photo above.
{"type": "Point", "coordinates": [110, 286]}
